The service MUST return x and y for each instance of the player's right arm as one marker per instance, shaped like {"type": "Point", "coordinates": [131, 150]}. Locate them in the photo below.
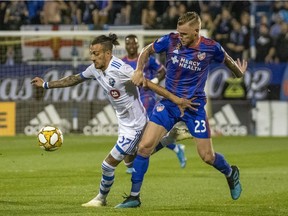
{"type": "Point", "coordinates": [137, 77]}
{"type": "Point", "coordinates": [62, 83]}
{"type": "Point", "coordinates": [182, 103]}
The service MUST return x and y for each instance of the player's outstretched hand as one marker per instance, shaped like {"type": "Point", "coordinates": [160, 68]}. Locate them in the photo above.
{"type": "Point", "coordinates": [188, 103]}
{"type": "Point", "coordinates": [37, 82]}
{"type": "Point", "coordinates": [137, 77]}
{"type": "Point", "coordinates": [242, 65]}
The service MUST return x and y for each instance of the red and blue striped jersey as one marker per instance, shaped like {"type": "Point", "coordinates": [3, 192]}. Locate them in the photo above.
{"type": "Point", "coordinates": [188, 67]}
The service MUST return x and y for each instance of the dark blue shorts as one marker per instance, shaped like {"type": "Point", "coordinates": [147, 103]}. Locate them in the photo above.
{"type": "Point", "coordinates": [167, 114]}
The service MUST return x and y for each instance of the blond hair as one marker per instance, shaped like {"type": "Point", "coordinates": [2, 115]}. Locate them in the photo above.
{"type": "Point", "coordinates": [192, 17]}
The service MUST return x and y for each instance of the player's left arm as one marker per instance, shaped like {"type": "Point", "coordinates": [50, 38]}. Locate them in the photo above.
{"type": "Point", "coordinates": [238, 68]}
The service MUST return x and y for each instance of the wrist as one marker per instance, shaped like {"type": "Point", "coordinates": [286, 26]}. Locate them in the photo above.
{"type": "Point", "coordinates": [45, 85]}
{"type": "Point", "coordinates": [180, 101]}
{"type": "Point", "coordinates": [176, 100]}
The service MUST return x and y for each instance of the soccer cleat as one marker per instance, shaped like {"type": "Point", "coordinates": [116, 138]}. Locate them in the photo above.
{"type": "Point", "coordinates": [130, 202]}
{"type": "Point", "coordinates": [181, 155]}
{"type": "Point", "coordinates": [129, 170]}
{"type": "Point", "coordinates": [96, 202]}
{"type": "Point", "coordinates": [234, 183]}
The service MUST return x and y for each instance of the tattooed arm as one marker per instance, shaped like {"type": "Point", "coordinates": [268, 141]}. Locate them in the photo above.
{"type": "Point", "coordinates": [64, 82]}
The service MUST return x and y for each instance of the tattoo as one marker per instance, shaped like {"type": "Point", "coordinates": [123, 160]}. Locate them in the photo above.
{"type": "Point", "coordinates": [66, 81]}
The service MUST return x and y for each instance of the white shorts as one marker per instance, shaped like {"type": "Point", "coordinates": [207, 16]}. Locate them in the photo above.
{"type": "Point", "coordinates": [126, 145]}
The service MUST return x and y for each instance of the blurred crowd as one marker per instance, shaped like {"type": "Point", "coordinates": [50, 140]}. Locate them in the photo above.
{"type": "Point", "coordinates": [228, 22]}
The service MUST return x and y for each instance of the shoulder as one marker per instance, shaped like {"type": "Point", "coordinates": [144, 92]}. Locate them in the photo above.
{"type": "Point", "coordinates": [89, 72]}
{"type": "Point", "coordinates": [208, 41]}
{"type": "Point", "coordinates": [91, 68]}
{"type": "Point", "coordinates": [210, 44]}
{"type": "Point", "coordinates": [171, 36]}
{"type": "Point", "coordinates": [174, 35]}
{"type": "Point", "coordinates": [116, 62]}
{"type": "Point", "coordinates": [166, 42]}
{"type": "Point", "coordinates": [119, 65]}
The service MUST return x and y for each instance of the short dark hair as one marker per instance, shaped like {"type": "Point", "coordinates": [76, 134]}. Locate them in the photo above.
{"type": "Point", "coordinates": [189, 17]}
{"type": "Point", "coordinates": [131, 36]}
{"type": "Point", "coordinates": [106, 41]}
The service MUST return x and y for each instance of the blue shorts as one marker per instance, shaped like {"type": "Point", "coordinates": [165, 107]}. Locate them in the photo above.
{"type": "Point", "coordinates": [167, 114]}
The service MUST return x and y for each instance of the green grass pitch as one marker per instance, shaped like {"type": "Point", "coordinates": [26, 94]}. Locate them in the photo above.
{"type": "Point", "coordinates": [35, 182]}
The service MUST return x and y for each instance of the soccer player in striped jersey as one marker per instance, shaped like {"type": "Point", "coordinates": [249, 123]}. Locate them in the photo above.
{"type": "Point", "coordinates": [155, 72]}
{"type": "Point", "coordinates": [114, 76]}
{"type": "Point", "coordinates": [188, 56]}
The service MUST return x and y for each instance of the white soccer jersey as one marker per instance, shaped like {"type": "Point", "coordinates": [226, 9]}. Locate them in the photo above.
{"type": "Point", "coordinates": [122, 94]}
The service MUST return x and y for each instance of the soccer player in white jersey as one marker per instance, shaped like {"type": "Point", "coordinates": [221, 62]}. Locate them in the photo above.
{"type": "Point", "coordinates": [115, 78]}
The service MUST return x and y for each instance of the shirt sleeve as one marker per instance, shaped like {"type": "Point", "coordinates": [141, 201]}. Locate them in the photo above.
{"type": "Point", "coordinates": [87, 74]}
{"type": "Point", "coordinates": [161, 44]}
{"type": "Point", "coordinates": [219, 53]}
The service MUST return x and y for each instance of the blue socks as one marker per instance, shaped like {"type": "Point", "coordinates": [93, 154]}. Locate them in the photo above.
{"type": "Point", "coordinates": [140, 166]}
{"type": "Point", "coordinates": [221, 164]}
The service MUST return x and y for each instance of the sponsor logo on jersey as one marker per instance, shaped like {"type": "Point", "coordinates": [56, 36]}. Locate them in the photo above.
{"type": "Point", "coordinates": [201, 55]}
{"type": "Point", "coordinates": [111, 82]}
{"type": "Point", "coordinates": [115, 93]}
{"type": "Point", "coordinates": [174, 59]}
{"type": "Point", "coordinates": [186, 63]}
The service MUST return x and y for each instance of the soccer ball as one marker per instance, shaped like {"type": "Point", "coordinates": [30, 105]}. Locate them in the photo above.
{"type": "Point", "coordinates": [50, 138]}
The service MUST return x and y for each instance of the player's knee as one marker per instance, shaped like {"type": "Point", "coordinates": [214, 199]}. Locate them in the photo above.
{"type": "Point", "coordinates": [145, 150]}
